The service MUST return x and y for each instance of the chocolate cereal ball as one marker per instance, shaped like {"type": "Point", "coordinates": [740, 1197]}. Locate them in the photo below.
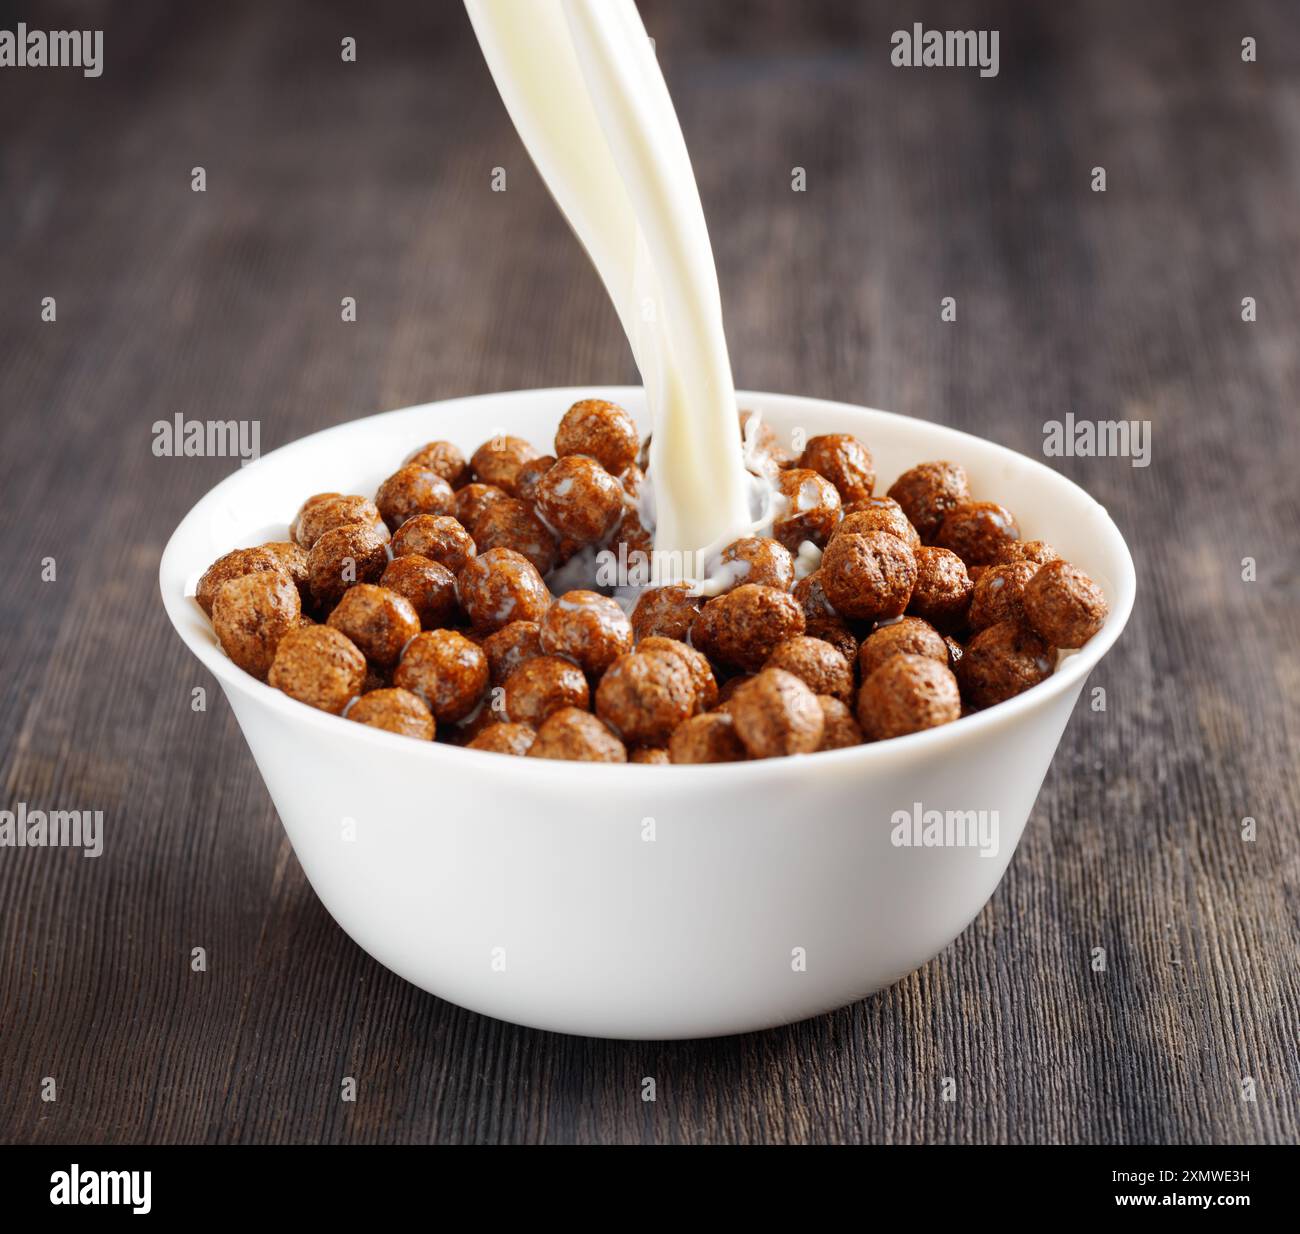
{"type": "Point", "coordinates": [812, 508]}
{"type": "Point", "coordinates": [710, 738]}
{"type": "Point", "coordinates": [234, 565]}
{"type": "Point", "coordinates": [527, 477]}
{"type": "Point", "coordinates": [442, 457]}
{"type": "Point", "coordinates": [580, 499]}
{"type": "Point", "coordinates": [293, 562]}
{"type": "Point", "coordinates": [905, 695]}
{"type": "Point", "coordinates": [251, 614]}
{"type": "Point", "coordinates": [880, 514]}
{"type": "Point", "coordinates": [516, 739]}
{"type": "Point", "coordinates": [649, 755]}
{"type": "Point", "coordinates": [513, 524]}
{"type": "Point", "coordinates": [839, 728]}
{"type": "Point", "coordinates": [395, 711]}
{"type": "Point", "coordinates": [543, 685]}
{"type": "Point", "coordinates": [942, 594]}
{"type": "Point", "coordinates": [1037, 551]}
{"type": "Point", "coordinates": [439, 537]}
{"type": "Point", "coordinates": [295, 527]}
{"type": "Point", "coordinates": [703, 682]}
{"type": "Point", "coordinates": [1003, 661]}
{"type": "Point", "coordinates": [429, 587]}
{"type": "Point", "coordinates": [604, 431]}
{"type": "Point", "coordinates": [378, 620]}
{"type": "Point", "coordinates": [413, 490]}
{"type": "Point", "coordinates": [928, 492]}
{"type": "Point", "coordinates": [1063, 605]}
{"type": "Point", "coordinates": [318, 666]}
{"type": "Point", "coordinates": [666, 611]}
{"type": "Point", "coordinates": [743, 627]}
{"type": "Point", "coordinates": [327, 512]}
{"type": "Point", "coordinates": [587, 628]}
{"type": "Point", "coordinates": [473, 500]}
{"type": "Point", "coordinates": [501, 586]}
{"type": "Point", "coordinates": [834, 631]}
{"type": "Point", "coordinates": [999, 594]}
{"type": "Point", "coordinates": [645, 695]}
{"type": "Point", "coordinates": [776, 714]}
{"type": "Point", "coordinates": [447, 671]}
{"type": "Point", "coordinates": [907, 636]}
{"type": "Point", "coordinates": [868, 576]}
{"type": "Point", "coordinates": [498, 460]}
{"type": "Point", "coordinates": [577, 736]}
{"type": "Point", "coordinates": [844, 461]}
{"type": "Point", "coordinates": [509, 647]}
{"type": "Point", "coordinates": [817, 664]}
{"type": "Point", "coordinates": [345, 556]}
{"type": "Point", "coordinates": [810, 591]}
{"type": "Point", "coordinates": [978, 532]}
{"type": "Point", "coordinates": [758, 559]}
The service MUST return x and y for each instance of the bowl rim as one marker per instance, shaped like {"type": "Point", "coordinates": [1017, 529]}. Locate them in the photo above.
{"type": "Point", "coordinates": [172, 573]}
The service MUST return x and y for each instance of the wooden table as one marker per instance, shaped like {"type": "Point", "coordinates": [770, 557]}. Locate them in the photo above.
{"type": "Point", "coordinates": [373, 180]}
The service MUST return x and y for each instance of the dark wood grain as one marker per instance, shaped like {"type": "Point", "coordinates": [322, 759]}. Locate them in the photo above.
{"type": "Point", "coordinates": [372, 180]}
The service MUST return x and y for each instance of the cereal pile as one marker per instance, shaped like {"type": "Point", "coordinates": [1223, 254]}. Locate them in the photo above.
{"type": "Point", "coordinates": [426, 611]}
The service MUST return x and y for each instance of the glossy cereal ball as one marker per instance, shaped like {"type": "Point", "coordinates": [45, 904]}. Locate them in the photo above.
{"type": "Point", "coordinates": [293, 562]}
{"type": "Point", "coordinates": [758, 559]}
{"type": "Point", "coordinates": [839, 729]}
{"type": "Point", "coordinates": [447, 671]}
{"type": "Point", "coordinates": [295, 527]}
{"type": "Point", "coordinates": [577, 736]}
{"type": "Point", "coordinates": [410, 491]}
{"type": "Point", "coordinates": [928, 493]}
{"type": "Point", "coordinates": [439, 537]}
{"type": "Point", "coordinates": [429, 587]}
{"type": "Point", "coordinates": [587, 628]}
{"type": "Point", "coordinates": [543, 685]}
{"type": "Point", "coordinates": [816, 663]}
{"type": "Point", "coordinates": [498, 460]}
{"type": "Point", "coordinates": [604, 431]}
{"type": "Point", "coordinates": [697, 664]}
{"type": "Point", "coordinates": [906, 636]}
{"type": "Point", "coordinates": [810, 591]}
{"type": "Point", "coordinates": [999, 594]}
{"type": "Point", "coordinates": [328, 512]}
{"type": "Point", "coordinates": [516, 739]}
{"type": "Point", "coordinates": [379, 620]}
{"type": "Point", "coordinates": [442, 457]}
{"type": "Point", "coordinates": [812, 508]}
{"type": "Point", "coordinates": [1063, 605]}
{"type": "Point", "coordinates": [743, 627]}
{"type": "Point", "coordinates": [345, 556]}
{"type": "Point", "coordinates": [318, 666]}
{"type": "Point", "coordinates": [834, 631]}
{"type": "Point", "coordinates": [707, 738]}
{"type": "Point", "coordinates": [580, 499]}
{"type": "Point", "coordinates": [1037, 551]}
{"type": "Point", "coordinates": [513, 524]}
{"type": "Point", "coordinates": [251, 614]}
{"type": "Point", "coordinates": [880, 514]}
{"type": "Point", "coordinates": [776, 714]}
{"type": "Point", "coordinates": [234, 565]}
{"type": "Point", "coordinates": [727, 690]}
{"type": "Point", "coordinates": [844, 461]}
{"type": "Point", "coordinates": [395, 711]}
{"type": "Point", "coordinates": [868, 577]}
{"type": "Point", "coordinates": [649, 755]}
{"type": "Point", "coordinates": [645, 695]}
{"type": "Point", "coordinates": [978, 532]}
{"type": "Point", "coordinates": [942, 594]}
{"type": "Point", "coordinates": [473, 500]}
{"type": "Point", "coordinates": [1002, 661]}
{"type": "Point", "coordinates": [905, 695]}
{"type": "Point", "coordinates": [509, 647]}
{"type": "Point", "coordinates": [666, 611]}
{"type": "Point", "coordinates": [501, 586]}
{"type": "Point", "coordinates": [528, 476]}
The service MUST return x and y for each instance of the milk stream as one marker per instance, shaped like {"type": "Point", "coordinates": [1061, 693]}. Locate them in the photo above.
{"type": "Point", "coordinates": [585, 91]}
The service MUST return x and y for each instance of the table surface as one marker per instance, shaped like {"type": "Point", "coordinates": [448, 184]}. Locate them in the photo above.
{"type": "Point", "coordinates": [372, 179]}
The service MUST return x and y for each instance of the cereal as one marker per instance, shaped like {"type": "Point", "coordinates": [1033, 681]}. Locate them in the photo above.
{"type": "Point", "coordinates": [378, 620]}
{"type": "Point", "coordinates": [442, 457]}
{"type": "Point", "coordinates": [757, 559]}
{"type": "Point", "coordinates": [743, 627]}
{"type": "Point", "coordinates": [543, 685]}
{"type": "Point", "coordinates": [879, 514]}
{"type": "Point", "coordinates": [728, 689]}
{"type": "Point", "coordinates": [1037, 551]}
{"type": "Point", "coordinates": [580, 499]}
{"type": "Point", "coordinates": [978, 532]}
{"type": "Point", "coordinates": [928, 493]}
{"type": "Point", "coordinates": [516, 739]}
{"type": "Point", "coordinates": [234, 565]}
{"type": "Point", "coordinates": [645, 695]}
{"type": "Point", "coordinates": [395, 711]}
{"type": "Point", "coordinates": [587, 628]}
{"type": "Point", "coordinates": [666, 611]}
{"type": "Point", "coordinates": [327, 512]}
{"type": "Point", "coordinates": [703, 682]}
{"type": "Point", "coordinates": [907, 694]}
{"type": "Point", "coordinates": [649, 755]}
{"type": "Point", "coordinates": [834, 631]}
{"type": "Point", "coordinates": [810, 591]}
{"type": "Point", "coordinates": [498, 461]}
{"type": "Point", "coordinates": [1002, 661]}
{"type": "Point", "coordinates": [354, 553]}
{"type": "Point", "coordinates": [1063, 605]}
{"type": "Point", "coordinates": [293, 562]}
{"type": "Point", "coordinates": [527, 477]}
{"type": "Point", "coordinates": [318, 666]}
{"type": "Point", "coordinates": [577, 736]}
{"type": "Point", "coordinates": [710, 738]}
{"type": "Point", "coordinates": [812, 510]}
{"type": "Point", "coordinates": [1000, 592]}
{"type": "Point", "coordinates": [429, 587]}
{"type": "Point", "coordinates": [868, 576]}
{"type": "Point", "coordinates": [472, 500]}
{"type": "Point", "coordinates": [839, 728]}
{"type": "Point", "coordinates": [816, 663]}
{"type": "Point", "coordinates": [316, 499]}
{"type": "Point", "coordinates": [251, 614]}
{"type": "Point", "coordinates": [942, 594]}
{"type": "Point", "coordinates": [501, 586]}
{"type": "Point", "coordinates": [910, 636]}
{"type": "Point", "coordinates": [513, 524]}
{"type": "Point", "coordinates": [844, 461]}
{"type": "Point", "coordinates": [775, 714]}
{"type": "Point", "coordinates": [447, 671]}
{"type": "Point", "coordinates": [410, 491]}
{"type": "Point", "coordinates": [509, 647]}
{"type": "Point", "coordinates": [601, 430]}
{"type": "Point", "coordinates": [439, 537]}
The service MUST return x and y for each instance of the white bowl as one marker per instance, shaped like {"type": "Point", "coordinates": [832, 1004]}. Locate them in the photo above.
{"type": "Point", "coordinates": [538, 891]}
